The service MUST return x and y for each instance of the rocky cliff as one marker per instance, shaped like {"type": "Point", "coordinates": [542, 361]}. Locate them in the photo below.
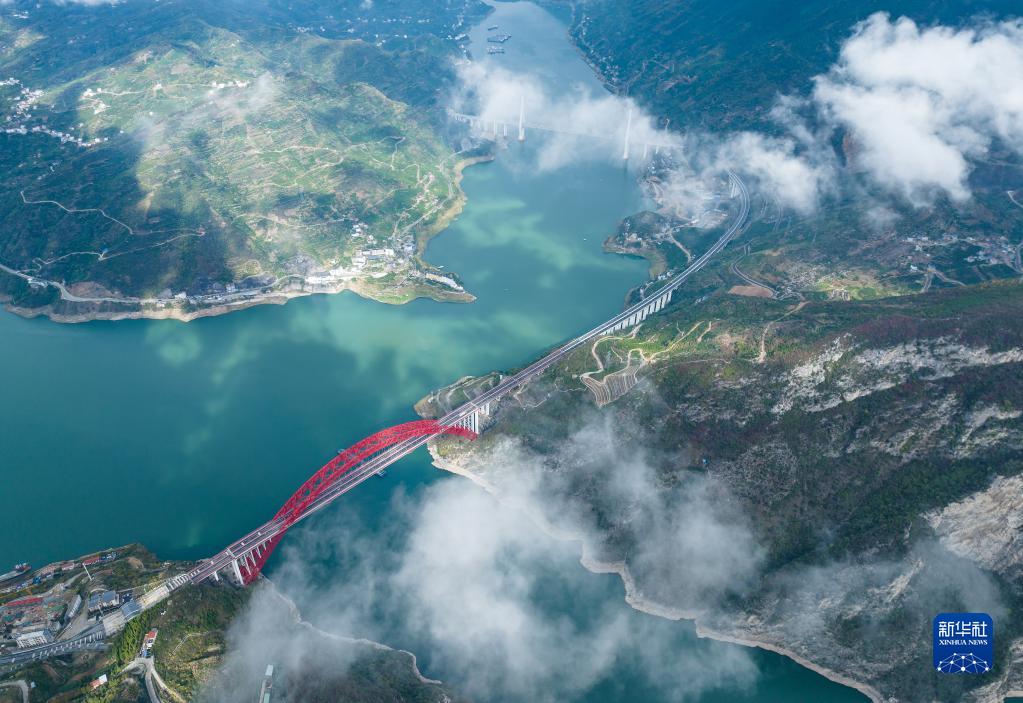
{"type": "Point", "coordinates": [819, 478]}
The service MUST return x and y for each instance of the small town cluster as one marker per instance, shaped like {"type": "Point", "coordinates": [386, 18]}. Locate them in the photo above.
{"type": "Point", "coordinates": [53, 600]}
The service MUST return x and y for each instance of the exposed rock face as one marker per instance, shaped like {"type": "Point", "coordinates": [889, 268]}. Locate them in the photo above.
{"type": "Point", "coordinates": [986, 527]}
{"type": "Point", "coordinates": [841, 374]}
{"type": "Point", "coordinates": [854, 467]}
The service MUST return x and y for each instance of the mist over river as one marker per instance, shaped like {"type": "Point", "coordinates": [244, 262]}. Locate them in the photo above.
{"type": "Point", "coordinates": [184, 435]}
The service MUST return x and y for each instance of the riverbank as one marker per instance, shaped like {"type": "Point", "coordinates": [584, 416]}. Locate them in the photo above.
{"type": "Point", "coordinates": [637, 601]}
{"type": "Point", "coordinates": [632, 596]}
{"type": "Point", "coordinates": [201, 628]}
{"type": "Point", "coordinates": [416, 284]}
{"type": "Point", "coordinates": [309, 663]}
{"type": "Point", "coordinates": [296, 615]}
{"type": "Point", "coordinates": [456, 208]}
{"type": "Point", "coordinates": [173, 310]}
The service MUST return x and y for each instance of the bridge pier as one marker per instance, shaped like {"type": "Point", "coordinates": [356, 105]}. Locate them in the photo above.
{"type": "Point", "coordinates": [628, 129]}
{"type": "Point", "coordinates": [653, 306]}
{"type": "Point", "coordinates": [522, 119]}
{"type": "Point", "coordinates": [237, 572]}
{"type": "Point", "coordinates": [325, 485]}
{"type": "Point", "coordinates": [470, 422]}
{"type": "Point", "coordinates": [476, 420]}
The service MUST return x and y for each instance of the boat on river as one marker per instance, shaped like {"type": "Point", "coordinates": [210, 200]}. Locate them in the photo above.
{"type": "Point", "coordinates": [19, 569]}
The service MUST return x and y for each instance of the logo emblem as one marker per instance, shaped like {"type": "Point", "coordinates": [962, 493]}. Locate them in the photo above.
{"type": "Point", "coordinates": [964, 643]}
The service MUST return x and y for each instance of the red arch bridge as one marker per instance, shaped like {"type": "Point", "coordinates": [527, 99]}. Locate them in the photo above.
{"type": "Point", "coordinates": [245, 558]}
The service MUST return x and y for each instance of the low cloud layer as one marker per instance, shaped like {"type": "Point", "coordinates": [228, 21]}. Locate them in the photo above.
{"type": "Point", "coordinates": [790, 168]}
{"type": "Point", "coordinates": [267, 633]}
{"type": "Point", "coordinates": [504, 611]}
{"type": "Point", "coordinates": [919, 107]}
{"type": "Point", "coordinates": [584, 126]}
{"type": "Point", "coordinates": [923, 103]}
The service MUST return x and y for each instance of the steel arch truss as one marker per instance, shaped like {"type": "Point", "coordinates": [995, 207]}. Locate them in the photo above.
{"type": "Point", "coordinates": [331, 472]}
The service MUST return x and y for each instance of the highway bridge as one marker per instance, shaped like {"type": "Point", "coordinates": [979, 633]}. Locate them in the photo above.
{"type": "Point", "coordinates": [91, 638]}
{"type": "Point", "coordinates": [242, 560]}
{"type": "Point", "coordinates": [495, 128]}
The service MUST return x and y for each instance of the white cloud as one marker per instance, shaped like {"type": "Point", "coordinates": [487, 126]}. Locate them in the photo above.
{"type": "Point", "coordinates": [588, 127]}
{"type": "Point", "coordinates": [794, 173]}
{"type": "Point", "coordinates": [780, 170]}
{"type": "Point", "coordinates": [593, 128]}
{"type": "Point", "coordinates": [465, 579]}
{"type": "Point", "coordinates": [922, 103]}
{"type": "Point", "coordinates": [472, 569]}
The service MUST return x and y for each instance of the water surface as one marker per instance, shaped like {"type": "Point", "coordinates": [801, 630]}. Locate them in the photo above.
{"type": "Point", "coordinates": [185, 435]}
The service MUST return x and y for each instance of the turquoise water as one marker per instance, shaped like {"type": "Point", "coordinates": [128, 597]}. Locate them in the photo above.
{"type": "Point", "coordinates": [183, 436]}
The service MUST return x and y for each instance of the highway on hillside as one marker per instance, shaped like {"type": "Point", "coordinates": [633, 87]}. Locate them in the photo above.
{"type": "Point", "coordinates": [387, 457]}
{"type": "Point", "coordinates": [376, 463]}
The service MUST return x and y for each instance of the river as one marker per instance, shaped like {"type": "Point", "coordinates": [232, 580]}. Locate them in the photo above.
{"type": "Point", "coordinates": [185, 435]}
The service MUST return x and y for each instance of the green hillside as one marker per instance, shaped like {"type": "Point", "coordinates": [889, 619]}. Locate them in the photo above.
{"type": "Point", "coordinates": [722, 65]}
{"type": "Point", "coordinates": [181, 155]}
{"type": "Point", "coordinates": [836, 442]}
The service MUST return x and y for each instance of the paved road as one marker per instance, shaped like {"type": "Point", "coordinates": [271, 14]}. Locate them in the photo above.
{"type": "Point", "coordinates": [147, 667]}
{"type": "Point", "coordinates": [734, 268]}
{"type": "Point", "coordinates": [91, 638]}
{"type": "Point", "coordinates": [387, 457]}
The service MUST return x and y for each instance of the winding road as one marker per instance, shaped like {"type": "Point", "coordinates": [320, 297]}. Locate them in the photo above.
{"type": "Point", "coordinates": [387, 457]}
{"type": "Point", "coordinates": [374, 464]}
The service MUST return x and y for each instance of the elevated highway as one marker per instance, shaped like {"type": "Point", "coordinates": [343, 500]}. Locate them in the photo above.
{"type": "Point", "coordinates": [242, 560]}
{"type": "Point", "coordinates": [247, 554]}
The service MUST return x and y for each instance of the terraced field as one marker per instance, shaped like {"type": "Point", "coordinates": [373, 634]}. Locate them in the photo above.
{"type": "Point", "coordinates": [201, 165]}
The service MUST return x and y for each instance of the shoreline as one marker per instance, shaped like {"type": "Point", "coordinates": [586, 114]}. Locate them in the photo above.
{"type": "Point", "coordinates": [181, 315]}
{"type": "Point", "coordinates": [296, 616]}
{"type": "Point", "coordinates": [638, 602]}
{"type": "Point", "coordinates": [671, 613]}
{"type": "Point", "coordinates": [455, 209]}
{"type": "Point", "coordinates": [360, 287]}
